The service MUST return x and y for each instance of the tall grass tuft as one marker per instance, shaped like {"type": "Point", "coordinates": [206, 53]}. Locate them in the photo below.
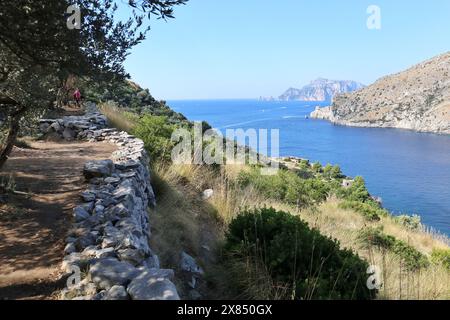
{"type": "Point", "coordinates": [124, 121]}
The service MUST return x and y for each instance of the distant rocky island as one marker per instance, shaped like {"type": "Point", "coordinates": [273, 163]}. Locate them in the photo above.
{"type": "Point", "coordinates": [267, 98]}
{"type": "Point", "coordinates": [416, 99]}
{"type": "Point", "coordinates": [320, 90]}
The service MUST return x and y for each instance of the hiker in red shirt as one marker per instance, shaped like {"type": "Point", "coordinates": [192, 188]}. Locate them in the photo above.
{"type": "Point", "coordinates": [77, 97]}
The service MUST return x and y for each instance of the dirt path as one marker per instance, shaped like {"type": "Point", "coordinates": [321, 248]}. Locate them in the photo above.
{"type": "Point", "coordinates": [33, 227]}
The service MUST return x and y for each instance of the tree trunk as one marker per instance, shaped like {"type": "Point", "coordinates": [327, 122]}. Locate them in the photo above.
{"type": "Point", "coordinates": [12, 135]}
{"type": "Point", "coordinates": [61, 93]}
{"type": "Point", "coordinates": [59, 98]}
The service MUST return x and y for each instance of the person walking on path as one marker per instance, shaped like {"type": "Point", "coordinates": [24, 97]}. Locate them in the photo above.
{"type": "Point", "coordinates": [77, 97]}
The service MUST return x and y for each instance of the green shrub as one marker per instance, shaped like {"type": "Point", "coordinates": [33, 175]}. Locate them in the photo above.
{"type": "Point", "coordinates": [441, 256]}
{"type": "Point", "coordinates": [270, 186]}
{"type": "Point", "coordinates": [317, 167]}
{"type": "Point", "coordinates": [296, 191]}
{"type": "Point", "coordinates": [293, 253]}
{"type": "Point", "coordinates": [156, 134]}
{"type": "Point", "coordinates": [317, 190]}
{"type": "Point", "coordinates": [286, 186]}
{"type": "Point", "coordinates": [357, 191]}
{"type": "Point", "coordinates": [304, 164]}
{"type": "Point", "coordinates": [357, 197]}
{"type": "Point", "coordinates": [367, 210]}
{"type": "Point", "coordinates": [304, 173]}
{"type": "Point", "coordinates": [332, 172]}
{"type": "Point", "coordinates": [412, 258]}
{"type": "Point", "coordinates": [410, 222]}
{"type": "Point", "coordinates": [376, 237]}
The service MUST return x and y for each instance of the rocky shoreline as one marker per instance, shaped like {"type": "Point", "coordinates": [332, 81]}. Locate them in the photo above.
{"type": "Point", "coordinates": [416, 99]}
{"type": "Point", "coordinates": [326, 113]}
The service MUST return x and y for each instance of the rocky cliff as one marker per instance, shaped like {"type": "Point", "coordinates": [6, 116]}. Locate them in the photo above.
{"type": "Point", "coordinates": [320, 90]}
{"type": "Point", "coordinates": [416, 99]}
{"type": "Point", "coordinates": [324, 113]}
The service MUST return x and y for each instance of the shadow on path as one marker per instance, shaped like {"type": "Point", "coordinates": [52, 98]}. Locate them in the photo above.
{"type": "Point", "coordinates": [32, 232]}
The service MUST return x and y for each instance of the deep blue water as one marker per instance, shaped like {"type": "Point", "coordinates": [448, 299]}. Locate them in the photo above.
{"type": "Point", "coordinates": [409, 171]}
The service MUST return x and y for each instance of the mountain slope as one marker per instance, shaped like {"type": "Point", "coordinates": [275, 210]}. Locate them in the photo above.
{"type": "Point", "coordinates": [320, 90]}
{"type": "Point", "coordinates": [416, 99]}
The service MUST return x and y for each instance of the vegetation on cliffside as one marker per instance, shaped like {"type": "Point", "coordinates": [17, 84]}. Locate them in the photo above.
{"type": "Point", "coordinates": [416, 99]}
{"type": "Point", "coordinates": [412, 261]}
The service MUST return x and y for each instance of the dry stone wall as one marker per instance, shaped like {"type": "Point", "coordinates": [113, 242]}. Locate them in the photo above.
{"type": "Point", "coordinates": [107, 254]}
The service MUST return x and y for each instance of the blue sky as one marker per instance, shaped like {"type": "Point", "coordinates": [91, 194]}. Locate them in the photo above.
{"type": "Point", "coordinates": [250, 48]}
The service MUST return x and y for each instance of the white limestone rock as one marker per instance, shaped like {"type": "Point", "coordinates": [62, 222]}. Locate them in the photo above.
{"type": "Point", "coordinates": [153, 284]}
{"type": "Point", "coordinates": [109, 272]}
{"type": "Point", "coordinates": [80, 214]}
{"type": "Point", "coordinates": [116, 293]}
{"type": "Point", "coordinates": [188, 264]}
{"type": "Point", "coordinates": [98, 169]}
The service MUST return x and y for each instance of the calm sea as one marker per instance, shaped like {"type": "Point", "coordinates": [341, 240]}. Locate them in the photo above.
{"type": "Point", "coordinates": [409, 171]}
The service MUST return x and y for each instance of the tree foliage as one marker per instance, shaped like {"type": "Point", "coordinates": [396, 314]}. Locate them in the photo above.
{"type": "Point", "coordinates": [287, 186]}
{"type": "Point", "coordinates": [156, 133]}
{"type": "Point", "coordinates": [38, 52]}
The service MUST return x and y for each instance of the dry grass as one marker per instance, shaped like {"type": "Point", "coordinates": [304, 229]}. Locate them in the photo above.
{"type": "Point", "coordinates": [343, 225]}
{"type": "Point", "coordinates": [253, 279]}
{"type": "Point", "coordinates": [423, 240]}
{"type": "Point", "coordinates": [117, 118]}
{"type": "Point", "coordinates": [182, 221]}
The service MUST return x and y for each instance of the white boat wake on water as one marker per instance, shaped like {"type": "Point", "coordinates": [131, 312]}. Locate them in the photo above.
{"type": "Point", "coordinates": [244, 123]}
